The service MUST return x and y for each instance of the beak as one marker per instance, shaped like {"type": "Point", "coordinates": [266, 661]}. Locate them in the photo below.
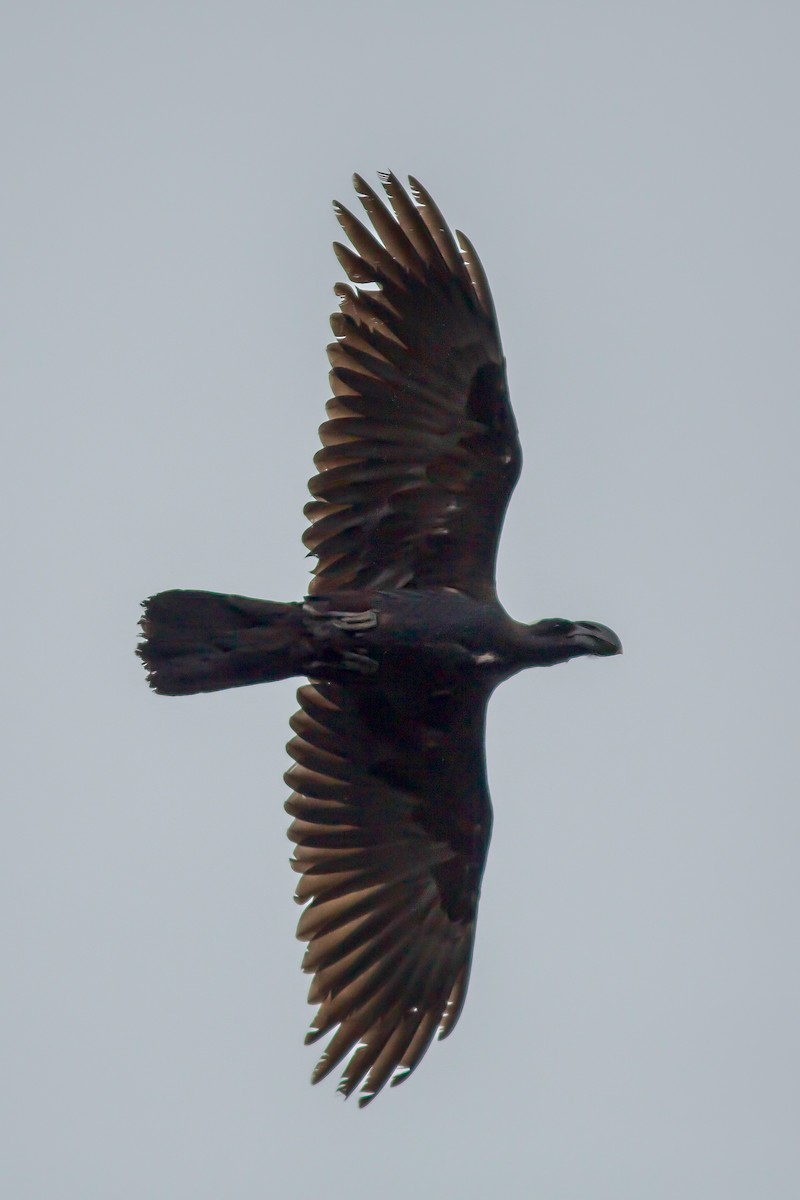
{"type": "Point", "coordinates": [597, 639]}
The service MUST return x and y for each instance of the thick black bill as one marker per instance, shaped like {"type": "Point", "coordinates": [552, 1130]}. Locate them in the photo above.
{"type": "Point", "coordinates": [599, 638]}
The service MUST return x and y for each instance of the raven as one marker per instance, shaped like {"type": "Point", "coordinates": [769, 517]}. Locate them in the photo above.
{"type": "Point", "coordinates": [401, 635]}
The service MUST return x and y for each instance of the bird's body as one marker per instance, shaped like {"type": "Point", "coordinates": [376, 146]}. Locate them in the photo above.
{"type": "Point", "coordinates": [402, 634]}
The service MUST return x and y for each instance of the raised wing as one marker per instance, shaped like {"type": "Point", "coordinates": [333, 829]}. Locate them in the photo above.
{"type": "Point", "coordinates": [420, 454]}
{"type": "Point", "coordinates": [392, 825]}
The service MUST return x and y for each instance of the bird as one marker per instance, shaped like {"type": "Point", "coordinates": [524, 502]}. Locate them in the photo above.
{"type": "Point", "coordinates": [401, 637]}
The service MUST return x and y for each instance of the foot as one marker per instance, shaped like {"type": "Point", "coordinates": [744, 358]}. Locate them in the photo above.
{"type": "Point", "coordinates": [352, 622]}
{"type": "Point", "coordinates": [347, 660]}
{"type": "Point", "coordinates": [357, 622]}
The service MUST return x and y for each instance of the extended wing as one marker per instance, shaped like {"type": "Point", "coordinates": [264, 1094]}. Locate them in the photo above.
{"type": "Point", "coordinates": [420, 454]}
{"type": "Point", "coordinates": [392, 825]}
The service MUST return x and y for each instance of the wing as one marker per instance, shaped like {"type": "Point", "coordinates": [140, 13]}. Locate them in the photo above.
{"type": "Point", "coordinates": [392, 825]}
{"type": "Point", "coordinates": [420, 454]}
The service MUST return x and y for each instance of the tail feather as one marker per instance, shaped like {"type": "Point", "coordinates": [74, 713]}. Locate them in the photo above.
{"type": "Point", "coordinates": [206, 641]}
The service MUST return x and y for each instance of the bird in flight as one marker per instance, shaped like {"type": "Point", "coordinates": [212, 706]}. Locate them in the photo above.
{"type": "Point", "coordinates": [401, 635]}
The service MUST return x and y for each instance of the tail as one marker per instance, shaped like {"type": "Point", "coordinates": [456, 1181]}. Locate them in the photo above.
{"type": "Point", "coordinates": [204, 642]}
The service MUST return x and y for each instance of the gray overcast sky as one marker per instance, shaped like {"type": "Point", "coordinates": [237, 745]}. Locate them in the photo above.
{"type": "Point", "coordinates": [629, 175]}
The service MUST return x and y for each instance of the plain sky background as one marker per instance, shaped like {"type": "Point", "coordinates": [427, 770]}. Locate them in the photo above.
{"type": "Point", "coordinates": [629, 175]}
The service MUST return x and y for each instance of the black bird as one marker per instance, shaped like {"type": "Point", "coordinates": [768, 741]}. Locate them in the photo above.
{"type": "Point", "coordinates": [402, 635]}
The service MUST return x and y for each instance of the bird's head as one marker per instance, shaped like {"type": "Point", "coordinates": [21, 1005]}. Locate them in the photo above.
{"type": "Point", "coordinates": [555, 640]}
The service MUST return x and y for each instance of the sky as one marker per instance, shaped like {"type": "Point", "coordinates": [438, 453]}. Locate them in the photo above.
{"type": "Point", "coordinates": [628, 173]}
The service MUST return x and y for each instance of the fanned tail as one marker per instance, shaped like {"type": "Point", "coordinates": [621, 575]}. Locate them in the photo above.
{"type": "Point", "coordinates": [206, 641]}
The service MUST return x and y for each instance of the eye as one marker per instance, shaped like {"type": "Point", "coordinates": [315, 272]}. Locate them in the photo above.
{"type": "Point", "coordinates": [557, 625]}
